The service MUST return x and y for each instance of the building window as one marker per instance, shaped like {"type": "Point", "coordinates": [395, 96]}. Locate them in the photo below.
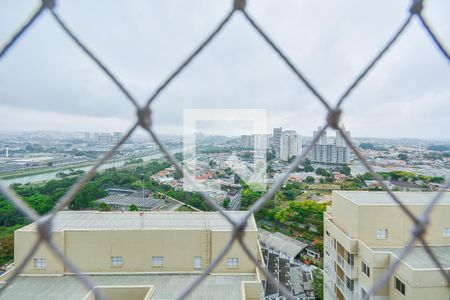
{"type": "Point", "coordinates": [39, 263]}
{"type": "Point", "coordinates": [364, 294]}
{"type": "Point", "coordinates": [382, 234]}
{"type": "Point", "coordinates": [233, 262]}
{"type": "Point", "coordinates": [446, 232]}
{"type": "Point", "coordinates": [327, 232]}
{"type": "Point", "coordinates": [400, 286]}
{"type": "Point", "coordinates": [350, 259]}
{"type": "Point", "coordinates": [157, 261]}
{"type": "Point", "coordinates": [350, 283]}
{"type": "Point", "coordinates": [116, 261]}
{"type": "Point", "coordinates": [365, 269]}
{"type": "Point", "coordinates": [197, 262]}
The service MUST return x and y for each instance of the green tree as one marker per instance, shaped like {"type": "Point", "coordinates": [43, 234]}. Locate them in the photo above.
{"type": "Point", "coordinates": [228, 171]}
{"type": "Point", "coordinates": [226, 202]}
{"type": "Point", "coordinates": [270, 155]}
{"type": "Point", "coordinates": [323, 172]}
{"type": "Point", "coordinates": [104, 207]}
{"type": "Point", "coordinates": [403, 156]}
{"type": "Point", "coordinates": [307, 166]}
{"type": "Point", "coordinates": [87, 196]}
{"type": "Point", "coordinates": [133, 208]}
{"type": "Point", "coordinates": [292, 158]}
{"type": "Point", "coordinates": [318, 283]}
{"type": "Point", "coordinates": [309, 179]}
{"type": "Point", "coordinates": [344, 170]}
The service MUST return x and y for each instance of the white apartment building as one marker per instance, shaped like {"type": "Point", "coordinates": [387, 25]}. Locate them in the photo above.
{"type": "Point", "coordinates": [291, 144]}
{"type": "Point", "coordinates": [256, 141]}
{"type": "Point", "coordinates": [324, 152]}
{"type": "Point", "coordinates": [277, 141]}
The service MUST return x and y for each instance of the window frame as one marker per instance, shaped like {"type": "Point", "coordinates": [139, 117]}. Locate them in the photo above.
{"type": "Point", "coordinates": [116, 261]}
{"type": "Point", "coordinates": [379, 234]}
{"type": "Point", "coordinates": [350, 284]}
{"type": "Point", "coordinates": [365, 269]}
{"type": "Point", "coordinates": [156, 259]}
{"type": "Point", "coordinates": [399, 286]}
{"type": "Point", "coordinates": [446, 232]}
{"type": "Point", "coordinates": [350, 259]}
{"type": "Point", "coordinates": [364, 294]}
{"type": "Point", "coordinates": [233, 262]}
{"type": "Point", "coordinates": [196, 266]}
{"type": "Point", "coordinates": [40, 263]}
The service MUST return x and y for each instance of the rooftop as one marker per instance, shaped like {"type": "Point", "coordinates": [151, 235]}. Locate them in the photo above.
{"type": "Point", "coordinates": [383, 198]}
{"type": "Point", "coordinates": [67, 220]}
{"type": "Point", "coordinates": [418, 258]}
{"type": "Point", "coordinates": [281, 242]}
{"type": "Point", "coordinates": [167, 286]}
{"type": "Point", "coordinates": [132, 199]}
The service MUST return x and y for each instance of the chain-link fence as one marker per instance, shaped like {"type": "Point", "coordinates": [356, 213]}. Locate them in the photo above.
{"type": "Point", "coordinates": [144, 120]}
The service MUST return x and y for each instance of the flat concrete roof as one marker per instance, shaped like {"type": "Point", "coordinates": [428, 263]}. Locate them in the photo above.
{"type": "Point", "coordinates": [167, 286]}
{"type": "Point", "coordinates": [418, 258]}
{"type": "Point", "coordinates": [383, 198]}
{"type": "Point", "coordinates": [94, 220]}
{"type": "Point", "coordinates": [281, 242]}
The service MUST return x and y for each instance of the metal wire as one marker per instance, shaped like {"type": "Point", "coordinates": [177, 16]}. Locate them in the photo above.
{"type": "Point", "coordinates": [143, 119]}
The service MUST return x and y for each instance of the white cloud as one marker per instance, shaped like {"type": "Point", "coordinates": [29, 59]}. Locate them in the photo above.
{"type": "Point", "coordinates": [142, 42]}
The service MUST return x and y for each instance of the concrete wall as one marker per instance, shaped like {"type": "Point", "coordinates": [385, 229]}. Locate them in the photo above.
{"type": "Point", "coordinates": [220, 239]}
{"type": "Point", "coordinates": [345, 214]}
{"type": "Point", "coordinates": [178, 247]}
{"type": "Point", "coordinates": [123, 292]}
{"type": "Point", "coordinates": [91, 250]}
{"type": "Point", "coordinates": [24, 241]}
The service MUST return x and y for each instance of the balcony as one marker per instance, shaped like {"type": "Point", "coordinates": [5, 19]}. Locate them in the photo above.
{"type": "Point", "coordinates": [348, 294]}
{"type": "Point", "coordinates": [328, 247]}
{"type": "Point", "coordinates": [349, 269]}
{"type": "Point", "coordinates": [330, 289]}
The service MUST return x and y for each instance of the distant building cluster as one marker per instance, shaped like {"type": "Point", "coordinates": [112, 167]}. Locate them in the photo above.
{"type": "Point", "coordinates": [103, 137]}
{"type": "Point", "coordinates": [337, 152]}
{"type": "Point", "coordinates": [286, 144]}
{"type": "Point", "coordinates": [256, 141]}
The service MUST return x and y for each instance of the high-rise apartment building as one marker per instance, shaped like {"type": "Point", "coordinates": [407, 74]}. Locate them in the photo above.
{"type": "Point", "coordinates": [117, 136]}
{"type": "Point", "coordinates": [364, 233]}
{"type": "Point", "coordinates": [153, 255]}
{"type": "Point", "coordinates": [277, 141]}
{"type": "Point", "coordinates": [291, 144]}
{"type": "Point", "coordinates": [330, 153]}
{"type": "Point", "coordinates": [246, 141]}
{"type": "Point", "coordinates": [260, 141]}
{"type": "Point", "coordinates": [256, 141]}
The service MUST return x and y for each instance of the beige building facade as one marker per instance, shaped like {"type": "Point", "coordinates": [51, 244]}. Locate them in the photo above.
{"type": "Point", "coordinates": [132, 243]}
{"type": "Point", "coordinates": [364, 232]}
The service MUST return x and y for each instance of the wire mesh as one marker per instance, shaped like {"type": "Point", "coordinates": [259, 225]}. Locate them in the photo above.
{"type": "Point", "coordinates": [144, 120]}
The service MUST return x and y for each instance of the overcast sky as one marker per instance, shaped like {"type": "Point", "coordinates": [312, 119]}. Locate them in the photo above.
{"type": "Point", "coordinates": [47, 83]}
